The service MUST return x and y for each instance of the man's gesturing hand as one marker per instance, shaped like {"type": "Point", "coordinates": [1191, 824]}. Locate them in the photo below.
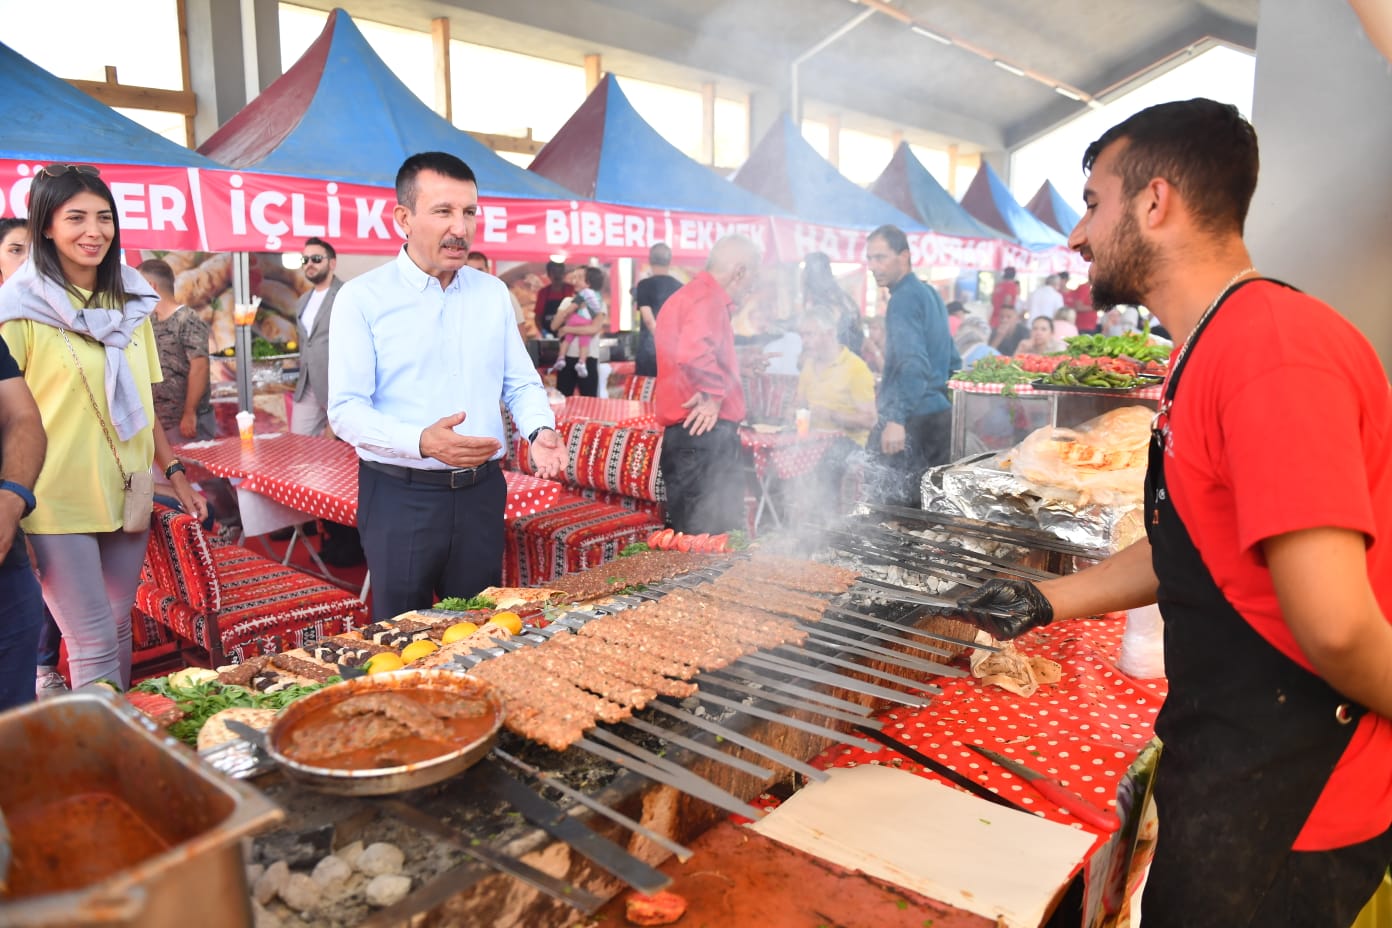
{"type": "Point", "coordinates": [441, 442]}
{"type": "Point", "coordinates": [549, 456]}
{"type": "Point", "coordinates": [1006, 608]}
{"type": "Point", "coordinates": [705, 412]}
{"type": "Point", "coordinates": [892, 439]}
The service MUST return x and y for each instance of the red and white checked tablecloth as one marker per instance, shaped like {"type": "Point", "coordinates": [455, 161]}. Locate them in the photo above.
{"type": "Point", "coordinates": [1152, 392]}
{"type": "Point", "coordinates": [1082, 732]}
{"type": "Point", "coordinates": [787, 454]}
{"type": "Point", "coordinates": [604, 410]}
{"type": "Point", "coordinates": [319, 476]}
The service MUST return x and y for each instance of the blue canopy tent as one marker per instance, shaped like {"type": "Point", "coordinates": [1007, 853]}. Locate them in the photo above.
{"type": "Point", "coordinates": [608, 153]}
{"type": "Point", "coordinates": [907, 185]}
{"type": "Point", "coordinates": [989, 200]}
{"type": "Point", "coordinates": [48, 119]}
{"type": "Point", "coordinates": [784, 169]}
{"type": "Point", "coordinates": [340, 114]}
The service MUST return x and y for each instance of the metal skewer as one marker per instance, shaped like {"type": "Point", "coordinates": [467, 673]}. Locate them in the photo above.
{"type": "Point", "coordinates": [801, 704]}
{"type": "Point", "coordinates": [883, 636]}
{"type": "Point", "coordinates": [823, 638]}
{"type": "Point", "coordinates": [805, 672]}
{"type": "Point", "coordinates": [830, 733]}
{"type": "Point", "coordinates": [910, 630]}
{"type": "Point", "coordinates": [744, 741]}
{"type": "Point", "coordinates": [788, 649]}
{"type": "Point", "coordinates": [666, 772]}
{"type": "Point", "coordinates": [845, 705]}
{"type": "Point", "coordinates": [638, 828]}
{"type": "Point", "coordinates": [697, 747]}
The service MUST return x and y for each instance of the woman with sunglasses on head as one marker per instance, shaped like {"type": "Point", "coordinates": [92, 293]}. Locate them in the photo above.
{"type": "Point", "coordinates": [78, 323]}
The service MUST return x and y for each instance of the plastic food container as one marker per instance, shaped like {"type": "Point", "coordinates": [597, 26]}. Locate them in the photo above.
{"type": "Point", "coordinates": [141, 831]}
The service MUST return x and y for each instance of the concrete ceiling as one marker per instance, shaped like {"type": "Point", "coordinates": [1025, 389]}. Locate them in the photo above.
{"type": "Point", "coordinates": [880, 75]}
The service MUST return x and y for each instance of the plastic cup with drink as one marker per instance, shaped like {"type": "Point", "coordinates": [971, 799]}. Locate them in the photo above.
{"type": "Point", "coordinates": [245, 421]}
{"type": "Point", "coordinates": [804, 421]}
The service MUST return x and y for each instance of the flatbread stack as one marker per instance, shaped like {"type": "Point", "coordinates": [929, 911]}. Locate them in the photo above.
{"type": "Point", "coordinates": [1101, 461]}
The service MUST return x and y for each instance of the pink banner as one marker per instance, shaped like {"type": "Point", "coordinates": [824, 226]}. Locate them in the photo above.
{"type": "Point", "coordinates": [262, 212]}
{"type": "Point", "coordinates": [157, 206]}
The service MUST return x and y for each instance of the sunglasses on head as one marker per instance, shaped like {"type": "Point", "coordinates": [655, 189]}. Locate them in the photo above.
{"type": "Point", "coordinates": [314, 259]}
{"type": "Point", "coordinates": [58, 170]}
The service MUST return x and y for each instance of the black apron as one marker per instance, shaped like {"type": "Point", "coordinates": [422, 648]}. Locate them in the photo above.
{"type": "Point", "coordinates": [1250, 739]}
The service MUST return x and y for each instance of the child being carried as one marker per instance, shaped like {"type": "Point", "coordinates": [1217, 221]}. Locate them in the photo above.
{"type": "Point", "coordinates": [584, 307]}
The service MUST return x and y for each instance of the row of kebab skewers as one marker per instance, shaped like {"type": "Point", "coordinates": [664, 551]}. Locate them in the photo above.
{"type": "Point", "coordinates": [558, 690]}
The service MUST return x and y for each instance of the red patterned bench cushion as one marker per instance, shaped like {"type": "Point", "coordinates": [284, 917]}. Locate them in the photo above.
{"type": "Point", "coordinates": [147, 634]}
{"type": "Point", "coordinates": [640, 388]}
{"type": "Point", "coordinates": [610, 459]}
{"type": "Point", "coordinates": [769, 397]}
{"type": "Point", "coordinates": [263, 606]}
{"type": "Point", "coordinates": [572, 535]}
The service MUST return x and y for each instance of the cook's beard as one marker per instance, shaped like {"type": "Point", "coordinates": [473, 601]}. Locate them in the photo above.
{"type": "Point", "coordinates": [1124, 277]}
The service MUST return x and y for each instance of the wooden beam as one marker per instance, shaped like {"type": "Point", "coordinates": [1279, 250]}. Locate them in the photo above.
{"type": "Point", "coordinates": [833, 124]}
{"type": "Point", "coordinates": [952, 169]}
{"type": "Point", "coordinates": [440, 39]}
{"type": "Point", "coordinates": [185, 75]}
{"type": "Point", "coordinates": [182, 102]}
{"type": "Point", "coordinates": [708, 122]}
{"type": "Point", "coordinates": [518, 144]}
{"type": "Point", "coordinates": [594, 70]}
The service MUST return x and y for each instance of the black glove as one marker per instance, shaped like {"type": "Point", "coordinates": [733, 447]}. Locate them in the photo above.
{"type": "Point", "coordinates": [1006, 608]}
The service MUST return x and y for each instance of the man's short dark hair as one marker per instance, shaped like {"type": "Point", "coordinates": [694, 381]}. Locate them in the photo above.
{"type": "Point", "coordinates": [476, 256]}
{"type": "Point", "coordinates": [1008, 273]}
{"type": "Point", "coordinates": [659, 255]}
{"type": "Point", "coordinates": [594, 278]}
{"type": "Point", "coordinates": [440, 162]}
{"type": "Point", "coordinates": [160, 275]}
{"type": "Point", "coordinates": [1204, 148]}
{"type": "Point", "coordinates": [955, 307]}
{"type": "Point", "coordinates": [893, 236]}
{"type": "Point", "coordinates": [328, 249]}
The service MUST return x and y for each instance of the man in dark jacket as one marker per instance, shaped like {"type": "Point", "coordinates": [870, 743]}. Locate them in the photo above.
{"type": "Point", "coordinates": [915, 427]}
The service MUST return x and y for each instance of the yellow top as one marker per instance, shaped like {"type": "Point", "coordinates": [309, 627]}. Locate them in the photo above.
{"type": "Point", "coordinates": [841, 388]}
{"type": "Point", "coordinates": [79, 488]}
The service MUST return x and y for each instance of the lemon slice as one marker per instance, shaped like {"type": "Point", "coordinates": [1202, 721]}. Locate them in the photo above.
{"type": "Point", "coordinates": [384, 663]}
{"type": "Point", "coordinates": [509, 620]}
{"type": "Point", "coordinates": [418, 649]}
{"type": "Point", "coordinates": [458, 631]}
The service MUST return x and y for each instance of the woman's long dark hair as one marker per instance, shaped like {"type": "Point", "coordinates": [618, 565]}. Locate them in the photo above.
{"type": "Point", "coordinates": [46, 197]}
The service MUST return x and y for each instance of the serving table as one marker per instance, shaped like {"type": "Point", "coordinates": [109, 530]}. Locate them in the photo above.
{"type": "Point", "coordinates": [283, 478]}
{"type": "Point", "coordinates": [781, 454]}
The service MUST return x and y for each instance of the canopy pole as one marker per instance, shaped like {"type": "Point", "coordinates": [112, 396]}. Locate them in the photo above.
{"type": "Point", "coordinates": [795, 106]}
{"type": "Point", "coordinates": [241, 297]}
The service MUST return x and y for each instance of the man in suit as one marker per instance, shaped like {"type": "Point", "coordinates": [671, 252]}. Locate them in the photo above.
{"type": "Point", "coordinates": [310, 414]}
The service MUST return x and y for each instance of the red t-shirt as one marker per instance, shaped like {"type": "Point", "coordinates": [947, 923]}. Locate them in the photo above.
{"type": "Point", "coordinates": [1007, 293]}
{"type": "Point", "coordinates": [1082, 305]}
{"type": "Point", "coordinates": [1283, 422]}
{"type": "Point", "coordinates": [696, 352]}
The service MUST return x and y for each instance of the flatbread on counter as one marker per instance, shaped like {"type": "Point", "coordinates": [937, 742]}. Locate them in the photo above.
{"type": "Point", "coordinates": [508, 597]}
{"type": "Point", "coordinates": [215, 731]}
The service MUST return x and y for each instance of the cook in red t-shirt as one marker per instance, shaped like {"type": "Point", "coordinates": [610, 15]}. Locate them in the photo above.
{"type": "Point", "coordinates": [1285, 423]}
{"type": "Point", "coordinates": [1007, 293]}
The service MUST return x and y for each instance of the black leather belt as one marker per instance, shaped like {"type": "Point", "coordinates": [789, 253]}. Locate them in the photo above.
{"type": "Point", "coordinates": [456, 479]}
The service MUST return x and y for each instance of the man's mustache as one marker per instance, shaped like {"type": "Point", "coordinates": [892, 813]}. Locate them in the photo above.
{"type": "Point", "coordinates": [454, 241]}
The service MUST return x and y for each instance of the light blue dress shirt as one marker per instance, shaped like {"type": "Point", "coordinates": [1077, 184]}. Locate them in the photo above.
{"type": "Point", "coordinates": [405, 352]}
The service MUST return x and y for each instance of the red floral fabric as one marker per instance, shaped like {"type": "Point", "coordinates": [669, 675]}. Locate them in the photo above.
{"type": "Point", "coordinates": [640, 388]}
{"type": "Point", "coordinates": [229, 599]}
{"type": "Point", "coordinates": [572, 535]}
{"type": "Point", "coordinates": [610, 459]}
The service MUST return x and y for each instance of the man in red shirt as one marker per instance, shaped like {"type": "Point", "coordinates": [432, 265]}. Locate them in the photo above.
{"type": "Point", "coordinates": [550, 297]}
{"type": "Point", "coordinates": [700, 401]}
{"type": "Point", "coordinates": [1269, 544]}
{"type": "Point", "coordinates": [1006, 295]}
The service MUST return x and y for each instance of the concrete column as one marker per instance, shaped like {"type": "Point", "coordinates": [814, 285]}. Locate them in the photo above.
{"type": "Point", "coordinates": [833, 123]}
{"type": "Point", "coordinates": [1322, 215]}
{"type": "Point", "coordinates": [440, 42]}
{"type": "Point", "coordinates": [708, 122]}
{"type": "Point", "coordinates": [594, 70]}
{"type": "Point", "coordinates": [219, 60]}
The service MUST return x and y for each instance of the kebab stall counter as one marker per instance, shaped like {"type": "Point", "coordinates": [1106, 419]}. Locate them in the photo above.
{"type": "Point", "coordinates": [642, 701]}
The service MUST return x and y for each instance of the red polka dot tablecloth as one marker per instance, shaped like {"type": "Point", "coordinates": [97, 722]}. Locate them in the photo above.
{"type": "Point", "coordinates": [604, 410]}
{"type": "Point", "coordinates": [786, 454]}
{"type": "Point", "coordinates": [1082, 732]}
{"type": "Point", "coordinates": [319, 476]}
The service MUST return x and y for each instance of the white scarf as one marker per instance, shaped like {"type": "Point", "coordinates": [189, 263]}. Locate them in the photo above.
{"type": "Point", "coordinates": [29, 295]}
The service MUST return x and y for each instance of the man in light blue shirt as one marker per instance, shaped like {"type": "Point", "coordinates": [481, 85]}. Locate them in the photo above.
{"type": "Point", "coordinates": [424, 348]}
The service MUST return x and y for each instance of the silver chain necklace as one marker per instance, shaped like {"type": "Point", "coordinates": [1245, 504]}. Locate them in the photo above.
{"type": "Point", "coordinates": [1198, 326]}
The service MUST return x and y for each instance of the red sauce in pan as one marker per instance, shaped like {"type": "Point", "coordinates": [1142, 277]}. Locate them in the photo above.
{"type": "Point", "coordinates": [73, 842]}
{"type": "Point", "coordinates": [388, 729]}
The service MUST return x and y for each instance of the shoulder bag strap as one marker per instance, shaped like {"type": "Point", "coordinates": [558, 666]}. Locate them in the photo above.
{"type": "Point", "coordinates": [125, 478]}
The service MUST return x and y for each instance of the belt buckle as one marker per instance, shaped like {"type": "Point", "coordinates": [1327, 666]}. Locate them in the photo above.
{"type": "Point", "coordinates": [462, 477]}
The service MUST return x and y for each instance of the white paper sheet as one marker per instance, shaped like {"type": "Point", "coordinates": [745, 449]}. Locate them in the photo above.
{"type": "Point", "coordinates": [932, 839]}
